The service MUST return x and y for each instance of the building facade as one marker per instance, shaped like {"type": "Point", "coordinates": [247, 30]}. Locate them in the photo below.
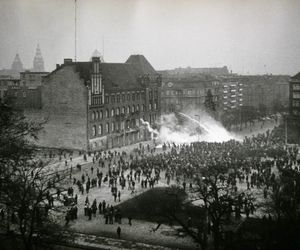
{"type": "Point", "coordinates": [293, 120]}
{"type": "Point", "coordinates": [185, 94]}
{"type": "Point", "coordinates": [26, 91]}
{"type": "Point", "coordinates": [95, 105]}
{"type": "Point", "coordinates": [7, 83]}
{"type": "Point", "coordinates": [231, 93]}
{"type": "Point", "coordinates": [179, 95]}
{"type": "Point", "coordinates": [266, 92]}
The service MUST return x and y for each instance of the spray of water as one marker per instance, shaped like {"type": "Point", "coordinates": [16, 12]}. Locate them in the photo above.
{"type": "Point", "coordinates": [183, 128]}
{"type": "Point", "coordinates": [149, 128]}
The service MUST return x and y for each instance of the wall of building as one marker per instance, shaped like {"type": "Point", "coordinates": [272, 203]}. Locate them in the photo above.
{"type": "Point", "coordinates": [180, 96]}
{"type": "Point", "coordinates": [64, 105]}
{"type": "Point", "coordinates": [265, 90]}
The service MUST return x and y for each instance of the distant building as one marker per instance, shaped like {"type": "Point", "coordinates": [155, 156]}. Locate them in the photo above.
{"type": "Point", "coordinates": [182, 94]}
{"type": "Point", "coordinates": [14, 71]}
{"type": "Point", "coordinates": [17, 65]}
{"type": "Point", "coordinates": [185, 72]}
{"type": "Point", "coordinates": [94, 105]}
{"type": "Point", "coordinates": [27, 93]}
{"type": "Point", "coordinates": [6, 83]}
{"type": "Point", "coordinates": [268, 92]}
{"type": "Point", "coordinates": [293, 120]}
{"type": "Point", "coordinates": [38, 61]}
{"type": "Point", "coordinates": [230, 93]}
{"type": "Point", "coordinates": [186, 94]}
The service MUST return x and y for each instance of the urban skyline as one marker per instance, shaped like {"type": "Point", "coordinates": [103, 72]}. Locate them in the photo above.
{"type": "Point", "coordinates": [254, 37]}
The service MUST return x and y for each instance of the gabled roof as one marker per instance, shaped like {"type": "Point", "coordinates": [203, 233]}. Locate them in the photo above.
{"type": "Point", "coordinates": [121, 75]}
{"type": "Point", "coordinates": [296, 77]}
{"type": "Point", "coordinates": [141, 64]}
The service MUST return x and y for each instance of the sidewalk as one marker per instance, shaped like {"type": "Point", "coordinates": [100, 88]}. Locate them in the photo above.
{"type": "Point", "coordinates": [89, 241]}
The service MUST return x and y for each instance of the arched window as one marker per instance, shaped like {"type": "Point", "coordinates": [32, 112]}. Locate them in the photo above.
{"type": "Point", "coordinates": [107, 127]}
{"type": "Point", "coordinates": [94, 130]}
{"type": "Point", "coordinates": [93, 115]}
{"type": "Point", "coordinates": [150, 106]}
{"type": "Point", "coordinates": [123, 110]}
{"type": "Point", "coordinates": [133, 123]}
{"type": "Point", "coordinates": [106, 113]}
{"type": "Point", "coordinates": [138, 107]}
{"type": "Point", "coordinates": [112, 112]}
{"type": "Point", "coordinates": [97, 115]}
{"type": "Point", "coordinates": [144, 107]}
{"type": "Point", "coordinates": [127, 124]}
{"type": "Point", "coordinates": [155, 106]}
{"type": "Point", "coordinates": [100, 129]}
{"type": "Point", "coordinates": [112, 127]}
{"type": "Point", "coordinates": [117, 111]}
{"type": "Point", "coordinates": [128, 109]}
{"type": "Point", "coordinates": [133, 109]}
{"type": "Point", "coordinates": [101, 114]}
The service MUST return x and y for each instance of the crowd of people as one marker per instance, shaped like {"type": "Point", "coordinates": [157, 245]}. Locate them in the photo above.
{"type": "Point", "coordinates": [252, 163]}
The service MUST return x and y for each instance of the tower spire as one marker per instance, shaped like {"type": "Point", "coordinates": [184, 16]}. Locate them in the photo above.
{"type": "Point", "coordinates": [17, 64]}
{"type": "Point", "coordinates": [38, 61]}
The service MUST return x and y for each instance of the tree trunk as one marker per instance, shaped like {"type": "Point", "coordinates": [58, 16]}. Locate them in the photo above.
{"type": "Point", "coordinates": [217, 236]}
{"type": "Point", "coordinates": [27, 244]}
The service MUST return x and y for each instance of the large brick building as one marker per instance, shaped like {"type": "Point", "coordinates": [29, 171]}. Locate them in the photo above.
{"type": "Point", "coordinates": [95, 105]}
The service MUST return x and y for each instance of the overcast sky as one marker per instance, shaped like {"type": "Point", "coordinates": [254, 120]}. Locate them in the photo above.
{"type": "Point", "coordinates": [249, 36]}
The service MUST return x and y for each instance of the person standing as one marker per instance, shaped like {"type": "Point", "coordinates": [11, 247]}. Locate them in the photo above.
{"type": "Point", "coordinates": [119, 232]}
{"type": "Point", "coordinates": [119, 196]}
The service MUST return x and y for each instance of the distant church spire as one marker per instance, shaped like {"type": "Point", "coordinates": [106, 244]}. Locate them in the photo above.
{"type": "Point", "coordinates": [17, 64]}
{"type": "Point", "coordinates": [38, 61]}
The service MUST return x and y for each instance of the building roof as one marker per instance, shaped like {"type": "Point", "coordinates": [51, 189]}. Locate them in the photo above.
{"type": "Point", "coordinates": [121, 75]}
{"type": "Point", "coordinates": [296, 77]}
{"type": "Point", "coordinates": [141, 64]}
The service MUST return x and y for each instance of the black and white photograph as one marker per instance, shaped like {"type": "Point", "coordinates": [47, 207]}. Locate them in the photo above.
{"type": "Point", "coordinates": [149, 124]}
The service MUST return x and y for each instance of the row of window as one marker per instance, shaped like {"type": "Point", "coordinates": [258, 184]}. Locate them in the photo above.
{"type": "Point", "coordinates": [130, 96]}
{"type": "Point", "coordinates": [117, 126]}
{"type": "Point", "coordinates": [296, 112]}
{"type": "Point", "coordinates": [117, 98]}
{"type": "Point", "coordinates": [296, 103]}
{"type": "Point", "coordinates": [296, 95]}
{"type": "Point", "coordinates": [296, 86]}
{"type": "Point", "coordinates": [96, 115]}
{"type": "Point", "coordinates": [114, 126]}
{"type": "Point", "coordinates": [200, 92]}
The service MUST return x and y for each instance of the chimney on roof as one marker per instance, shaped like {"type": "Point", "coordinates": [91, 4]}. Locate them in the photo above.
{"type": "Point", "coordinates": [57, 66]}
{"type": "Point", "coordinates": [67, 60]}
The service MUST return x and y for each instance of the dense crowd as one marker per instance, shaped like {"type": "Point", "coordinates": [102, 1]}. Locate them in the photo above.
{"type": "Point", "coordinates": [252, 163]}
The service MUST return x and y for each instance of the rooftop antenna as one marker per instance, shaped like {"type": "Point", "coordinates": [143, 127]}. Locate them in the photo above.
{"type": "Point", "coordinates": [75, 30]}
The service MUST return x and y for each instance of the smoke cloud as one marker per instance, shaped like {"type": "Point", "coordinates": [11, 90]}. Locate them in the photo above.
{"type": "Point", "coordinates": [189, 127]}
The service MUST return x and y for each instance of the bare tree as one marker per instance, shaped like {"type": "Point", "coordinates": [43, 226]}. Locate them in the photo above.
{"type": "Point", "coordinates": [26, 186]}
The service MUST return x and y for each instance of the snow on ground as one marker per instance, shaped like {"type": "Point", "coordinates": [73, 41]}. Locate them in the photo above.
{"type": "Point", "coordinates": [140, 230]}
